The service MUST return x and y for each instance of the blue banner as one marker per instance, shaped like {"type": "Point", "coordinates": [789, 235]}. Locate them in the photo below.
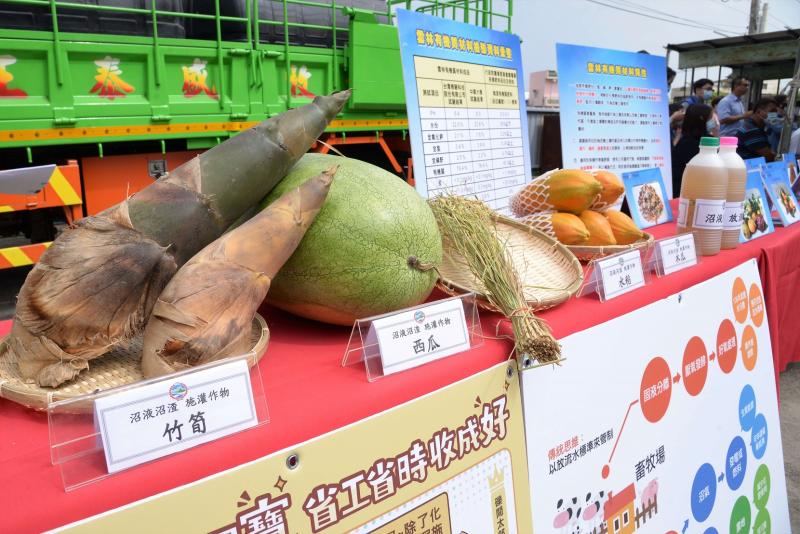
{"type": "Point", "coordinates": [466, 111]}
{"type": "Point", "coordinates": [614, 110]}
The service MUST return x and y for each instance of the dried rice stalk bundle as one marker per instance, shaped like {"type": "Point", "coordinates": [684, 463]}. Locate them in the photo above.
{"type": "Point", "coordinates": [467, 227]}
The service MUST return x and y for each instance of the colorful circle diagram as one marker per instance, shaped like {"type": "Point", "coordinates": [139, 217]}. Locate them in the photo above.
{"type": "Point", "coordinates": [695, 366]}
{"type": "Point", "coordinates": [655, 389]}
{"type": "Point", "coordinates": [761, 487]}
{"type": "Point", "coordinates": [740, 516]}
{"type": "Point", "coordinates": [759, 436]}
{"type": "Point", "coordinates": [749, 348]}
{"type": "Point", "coordinates": [704, 492]}
{"type": "Point", "coordinates": [727, 346]}
{"type": "Point", "coordinates": [739, 300]}
{"type": "Point", "coordinates": [756, 305]}
{"type": "Point", "coordinates": [736, 463]}
{"type": "Point", "coordinates": [747, 407]}
{"type": "Point", "coordinates": [763, 523]}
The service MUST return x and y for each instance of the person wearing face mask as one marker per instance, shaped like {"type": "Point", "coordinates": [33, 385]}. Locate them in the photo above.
{"type": "Point", "coordinates": [702, 92]}
{"type": "Point", "coordinates": [753, 141]}
{"type": "Point", "coordinates": [695, 126]}
{"type": "Point", "coordinates": [731, 108]}
{"type": "Point", "coordinates": [775, 122]}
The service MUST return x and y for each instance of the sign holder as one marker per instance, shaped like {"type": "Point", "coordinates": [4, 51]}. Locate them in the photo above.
{"type": "Point", "coordinates": [363, 344]}
{"type": "Point", "coordinates": [672, 254]}
{"type": "Point", "coordinates": [593, 282]}
{"type": "Point", "coordinates": [76, 445]}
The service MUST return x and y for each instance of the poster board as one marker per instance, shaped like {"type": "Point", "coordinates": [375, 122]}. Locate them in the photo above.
{"type": "Point", "coordinates": [614, 110]}
{"type": "Point", "coordinates": [662, 429]}
{"type": "Point", "coordinates": [450, 461]}
{"type": "Point", "coordinates": [647, 197]}
{"type": "Point", "coordinates": [466, 109]}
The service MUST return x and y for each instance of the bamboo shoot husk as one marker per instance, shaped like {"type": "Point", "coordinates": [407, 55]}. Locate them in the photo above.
{"type": "Point", "coordinates": [204, 313]}
{"type": "Point", "coordinates": [96, 285]}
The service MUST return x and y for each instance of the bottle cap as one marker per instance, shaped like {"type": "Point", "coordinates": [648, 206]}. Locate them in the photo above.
{"type": "Point", "coordinates": [709, 141]}
{"type": "Point", "coordinates": [728, 141]}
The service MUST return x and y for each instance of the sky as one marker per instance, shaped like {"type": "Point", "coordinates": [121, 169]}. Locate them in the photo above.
{"type": "Point", "coordinates": [542, 23]}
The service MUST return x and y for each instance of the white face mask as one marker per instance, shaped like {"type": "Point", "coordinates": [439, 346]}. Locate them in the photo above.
{"type": "Point", "coordinates": [711, 124]}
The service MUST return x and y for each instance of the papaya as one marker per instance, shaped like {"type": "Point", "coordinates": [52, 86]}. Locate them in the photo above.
{"type": "Point", "coordinates": [600, 233]}
{"type": "Point", "coordinates": [612, 187]}
{"type": "Point", "coordinates": [624, 229]}
{"type": "Point", "coordinates": [569, 229]}
{"type": "Point", "coordinates": [567, 190]}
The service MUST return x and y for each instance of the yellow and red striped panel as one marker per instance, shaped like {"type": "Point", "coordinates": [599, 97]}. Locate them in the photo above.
{"type": "Point", "coordinates": [21, 256]}
{"type": "Point", "coordinates": [63, 189]}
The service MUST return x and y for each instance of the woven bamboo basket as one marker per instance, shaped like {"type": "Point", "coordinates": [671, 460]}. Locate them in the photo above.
{"type": "Point", "coordinates": [589, 253]}
{"type": "Point", "coordinates": [119, 367]}
{"type": "Point", "coordinates": [549, 272]}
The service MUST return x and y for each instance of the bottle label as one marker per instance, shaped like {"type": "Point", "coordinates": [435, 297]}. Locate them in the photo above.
{"type": "Point", "coordinates": [708, 214]}
{"type": "Point", "coordinates": [734, 215]}
{"type": "Point", "coordinates": [683, 211]}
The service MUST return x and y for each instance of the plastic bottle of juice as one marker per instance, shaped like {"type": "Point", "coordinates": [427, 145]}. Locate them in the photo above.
{"type": "Point", "coordinates": [737, 178]}
{"type": "Point", "coordinates": [704, 189]}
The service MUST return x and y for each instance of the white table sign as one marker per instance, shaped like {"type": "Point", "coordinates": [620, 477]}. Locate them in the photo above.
{"type": "Point", "coordinates": [411, 338]}
{"type": "Point", "coordinates": [621, 273]}
{"type": "Point", "coordinates": [676, 253]}
{"type": "Point", "coordinates": [175, 414]}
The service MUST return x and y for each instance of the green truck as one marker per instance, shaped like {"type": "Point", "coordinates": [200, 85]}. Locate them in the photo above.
{"type": "Point", "coordinates": [100, 97]}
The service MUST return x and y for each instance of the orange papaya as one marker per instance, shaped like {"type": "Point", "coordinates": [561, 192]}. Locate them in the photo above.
{"type": "Point", "coordinates": [567, 190]}
{"type": "Point", "coordinates": [612, 187]}
{"type": "Point", "coordinates": [569, 229]}
{"type": "Point", "coordinates": [624, 229]}
{"type": "Point", "coordinates": [600, 233]}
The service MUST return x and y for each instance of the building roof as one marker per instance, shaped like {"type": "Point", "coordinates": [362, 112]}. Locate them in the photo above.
{"type": "Point", "coordinates": [617, 502]}
{"type": "Point", "coordinates": [762, 55]}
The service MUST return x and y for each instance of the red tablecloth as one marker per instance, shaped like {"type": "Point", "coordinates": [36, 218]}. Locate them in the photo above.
{"type": "Point", "coordinates": [309, 393]}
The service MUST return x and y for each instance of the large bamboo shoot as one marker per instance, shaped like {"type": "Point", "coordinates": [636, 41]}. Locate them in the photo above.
{"type": "Point", "coordinates": [205, 312]}
{"type": "Point", "coordinates": [96, 285]}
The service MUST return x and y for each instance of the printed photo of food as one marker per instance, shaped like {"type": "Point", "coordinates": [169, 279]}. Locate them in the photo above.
{"type": "Point", "coordinates": [786, 201]}
{"type": "Point", "coordinates": [754, 222]}
{"type": "Point", "coordinates": [651, 204]}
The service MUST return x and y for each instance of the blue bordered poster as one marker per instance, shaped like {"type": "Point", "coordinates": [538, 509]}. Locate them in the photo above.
{"type": "Point", "coordinates": [466, 114]}
{"type": "Point", "coordinates": [613, 110]}
{"type": "Point", "coordinates": [776, 182]}
{"type": "Point", "coordinates": [757, 220]}
{"type": "Point", "coordinates": [647, 197]}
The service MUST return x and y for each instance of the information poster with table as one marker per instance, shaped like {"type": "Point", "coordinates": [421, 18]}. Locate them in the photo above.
{"type": "Point", "coordinates": [465, 114]}
{"type": "Point", "coordinates": [614, 110]}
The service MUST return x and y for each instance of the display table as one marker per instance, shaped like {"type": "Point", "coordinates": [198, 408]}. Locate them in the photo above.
{"type": "Point", "coordinates": [309, 393]}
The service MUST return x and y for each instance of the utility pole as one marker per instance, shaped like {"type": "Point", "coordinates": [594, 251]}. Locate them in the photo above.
{"type": "Point", "coordinates": [753, 27]}
{"type": "Point", "coordinates": [762, 22]}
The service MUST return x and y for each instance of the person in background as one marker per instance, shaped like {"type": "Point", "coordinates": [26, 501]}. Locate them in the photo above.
{"type": "Point", "coordinates": [714, 130]}
{"type": "Point", "coordinates": [775, 122]}
{"type": "Point", "coordinates": [670, 74]}
{"type": "Point", "coordinates": [676, 114]}
{"type": "Point", "coordinates": [794, 144]}
{"type": "Point", "coordinates": [753, 140]}
{"type": "Point", "coordinates": [702, 92]}
{"type": "Point", "coordinates": [695, 126]}
{"type": "Point", "coordinates": [731, 108]}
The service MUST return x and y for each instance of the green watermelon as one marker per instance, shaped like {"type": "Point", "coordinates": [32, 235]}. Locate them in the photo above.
{"type": "Point", "coordinates": [358, 257]}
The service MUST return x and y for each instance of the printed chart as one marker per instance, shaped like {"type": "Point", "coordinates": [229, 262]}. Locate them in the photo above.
{"type": "Point", "coordinates": [663, 429]}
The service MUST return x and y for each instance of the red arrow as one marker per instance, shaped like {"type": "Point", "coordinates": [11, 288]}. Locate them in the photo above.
{"type": "Point", "coordinates": [676, 378]}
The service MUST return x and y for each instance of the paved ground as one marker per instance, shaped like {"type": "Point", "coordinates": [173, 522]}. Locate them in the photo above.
{"type": "Point", "coordinates": [11, 279]}
{"type": "Point", "coordinates": [790, 431]}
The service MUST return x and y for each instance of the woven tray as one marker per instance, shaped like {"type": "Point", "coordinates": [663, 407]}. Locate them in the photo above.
{"type": "Point", "coordinates": [587, 253]}
{"type": "Point", "coordinates": [117, 368]}
{"type": "Point", "coordinates": [550, 273]}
